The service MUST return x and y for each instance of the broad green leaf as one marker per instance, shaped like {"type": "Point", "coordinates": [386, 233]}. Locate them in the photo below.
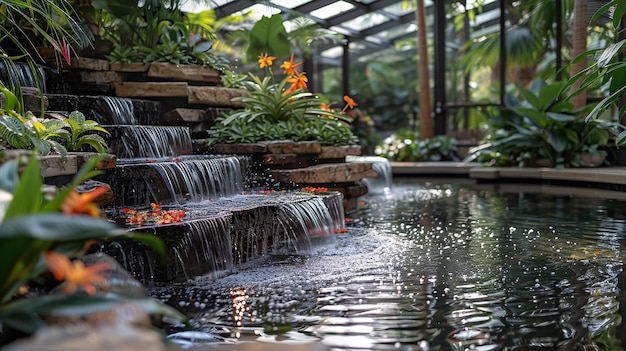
{"type": "Point", "coordinates": [557, 139]}
{"type": "Point", "coordinates": [9, 176]}
{"type": "Point", "coordinates": [531, 98]}
{"type": "Point", "coordinates": [25, 313]}
{"type": "Point", "coordinates": [28, 192]}
{"type": "Point", "coordinates": [538, 118]}
{"type": "Point", "coordinates": [58, 227]}
{"type": "Point", "coordinates": [268, 36]}
{"type": "Point", "coordinates": [549, 94]}
{"type": "Point", "coordinates": [560, 117]}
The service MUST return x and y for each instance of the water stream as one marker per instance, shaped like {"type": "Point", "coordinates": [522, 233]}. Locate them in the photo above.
{"type": "Point", "coordinates": [224, 223]}
{"type": "Point", "coordinates": [434, 267]}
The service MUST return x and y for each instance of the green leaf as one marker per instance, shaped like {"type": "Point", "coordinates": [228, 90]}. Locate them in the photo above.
{"type": "Point", "coordinates": [612, 51]}
{"type": "Point", "coordinates": [28, 191]}
{"type": "Point", "coordinates": [550, 94]}
{"type": "Point", "coordinates": [557, 139]}
{"type": "Point", "coordinates": [531, 98]}
{"type": "Point", "coordinates": [560, 117]}
{"type": "Point", "coordinates": [9, 176]}
{"type": "Point", "coordinates": [268, 36]}
{"type": "Point", "coordinates": [538, 118]}
{"type": "Point", "coordinates": [57, 227]}
{"type": "Point", "coordinates": [24, 314]}
{"type": "Point", "coordinates": [621, 138]}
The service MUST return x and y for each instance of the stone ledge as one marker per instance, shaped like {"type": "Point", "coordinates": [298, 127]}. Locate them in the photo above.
{"type": "Point", "coordinates": [56, 165]}
{"type": "Point", "coordinates": [326, 173]}
{"type": "Point", "coordinates": [214, 96]}
{"type": "Point", "coordinates": [190, 73]}
{"type": "Point", "coordinates": [339, 151]}
{"type": "Point", "coordinates": [293, 147]}
{"type": "Point", "coordinates": [151, 89]}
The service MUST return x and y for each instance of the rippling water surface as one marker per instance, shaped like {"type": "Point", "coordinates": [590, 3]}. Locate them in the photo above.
{"type": "Point", "coordinates": [434, 267]}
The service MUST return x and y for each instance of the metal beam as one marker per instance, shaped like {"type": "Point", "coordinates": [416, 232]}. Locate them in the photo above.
{"type": "Point", "coordinates": [232, 7]}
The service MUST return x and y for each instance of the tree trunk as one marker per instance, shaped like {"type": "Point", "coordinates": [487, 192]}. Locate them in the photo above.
{"type": "Point", "coordinates": [426, 127]}
{"type": "Point", "coordinates": [579, 45]}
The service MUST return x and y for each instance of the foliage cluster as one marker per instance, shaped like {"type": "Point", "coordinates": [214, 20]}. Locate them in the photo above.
{"type": "Point", "coordinates": [155, 31]}
{"type": "Point", "coordinates": [404, 146]}
{"type": "Point", "coordinates": [281, 110]}
{"type": "Point", "coordinates": [36, 226]}
{"type": "Point", "coordinates": [46, 135]}
{"type": "Point", "coordinates": [540, 123]}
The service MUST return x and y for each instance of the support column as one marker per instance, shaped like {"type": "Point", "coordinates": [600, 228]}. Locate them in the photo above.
{"type": "Point", "coordinates": [440, 112]}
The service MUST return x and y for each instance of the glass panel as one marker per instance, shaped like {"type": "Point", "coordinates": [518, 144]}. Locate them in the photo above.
{"type": "Point", "coordinates": [399, 8]}
{"type": "Point", "coordinates": [341, 30]}
{"type": "Point", "coordinates": [332, 10]}
{"type": "Point", "coordinates": [366, 21]}
{"type": "Point", "coordinates": [260, 10]}
{"type": "Point", "coordinates": [290, 4]}
{"type": "Point", "coordinates": [335, 52]}
{"type": "Point", "coordinates": [399, 31]}
{"type": "Point", "coordinates": [195, 6]}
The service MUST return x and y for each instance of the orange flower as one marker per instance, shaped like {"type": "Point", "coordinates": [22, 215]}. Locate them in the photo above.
{"type": "Point", "coordinates": [349, 101]}
{"type": "Point", "coordinates": [290, 67]}
{"type": "Point", "coordinates": [76, 203]}
{"type": "Point", "coordinates": [266, 60]}
{"type": "Point", "coordinates": [327, 107]}
{"type": "Point", "coordinates": [75, 274]}
{"type": "Point", "coordinates": [298, 81]}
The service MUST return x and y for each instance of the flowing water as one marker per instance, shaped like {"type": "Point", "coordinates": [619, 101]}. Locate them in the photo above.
{"type": "Point", "coordinates": [433, 267]}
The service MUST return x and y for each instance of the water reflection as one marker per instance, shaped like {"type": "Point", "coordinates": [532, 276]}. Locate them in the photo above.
{"type": "Point", "coordinates": [437, 267]}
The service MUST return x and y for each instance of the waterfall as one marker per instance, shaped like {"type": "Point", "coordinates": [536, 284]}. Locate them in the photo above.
{"type": "Point", "coordinates": [200, 179]}
{"type": "Point", "coordinates": [381, 184]}
{"type": "Point", "coordinates": [151, 142]}
{"type": "Point", "coordinates": [20, 73]}
{"type": "Point", "coordinates": [204, 246]}
{"type": "Point", "coordinates": [121, 110]}
{"type": "Point", "coordinates": [305, 219]}
{"type": "Point", "coordinates": [334, 204]}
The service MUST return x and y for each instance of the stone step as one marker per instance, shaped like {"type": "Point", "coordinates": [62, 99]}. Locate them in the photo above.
{"type": "Point", "coordinates": [289, 147]}
{"type": "Point", "coordinates": [330, 173]}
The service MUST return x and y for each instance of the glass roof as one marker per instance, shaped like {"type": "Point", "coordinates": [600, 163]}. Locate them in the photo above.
{"type": "Point", "coordinates": [369, 25]}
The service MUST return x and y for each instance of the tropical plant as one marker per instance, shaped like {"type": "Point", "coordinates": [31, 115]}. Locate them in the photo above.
{"type": "Point", "coordinates": [541, 123]}
{"type": "Point", "coordinates": [30, 132]}
{"type": "Point", "coordinates": [177, 45]}
{"type": "Point", "coordinates": [405, 146]}
{"type": "Point", "coordinates": [27, 24]}
{"type": "Point", "coordinates": [35, 229]}
{"type": "Point", "coordinates": [283, 109]}
{"type": "Point", "coordinates": [125, 54]}
{"type": "Point", "coordinates": [46, 135]}
{"type": "Point", "coordinates": [158, 31]}
{"type": "Point", "coordinates": [606, 72]}
{"type": "Point", "coordinates": [83, 132]}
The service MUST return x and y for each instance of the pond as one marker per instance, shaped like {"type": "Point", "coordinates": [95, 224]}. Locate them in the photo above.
{"type": "Point", "coordinates": [447, 265]}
